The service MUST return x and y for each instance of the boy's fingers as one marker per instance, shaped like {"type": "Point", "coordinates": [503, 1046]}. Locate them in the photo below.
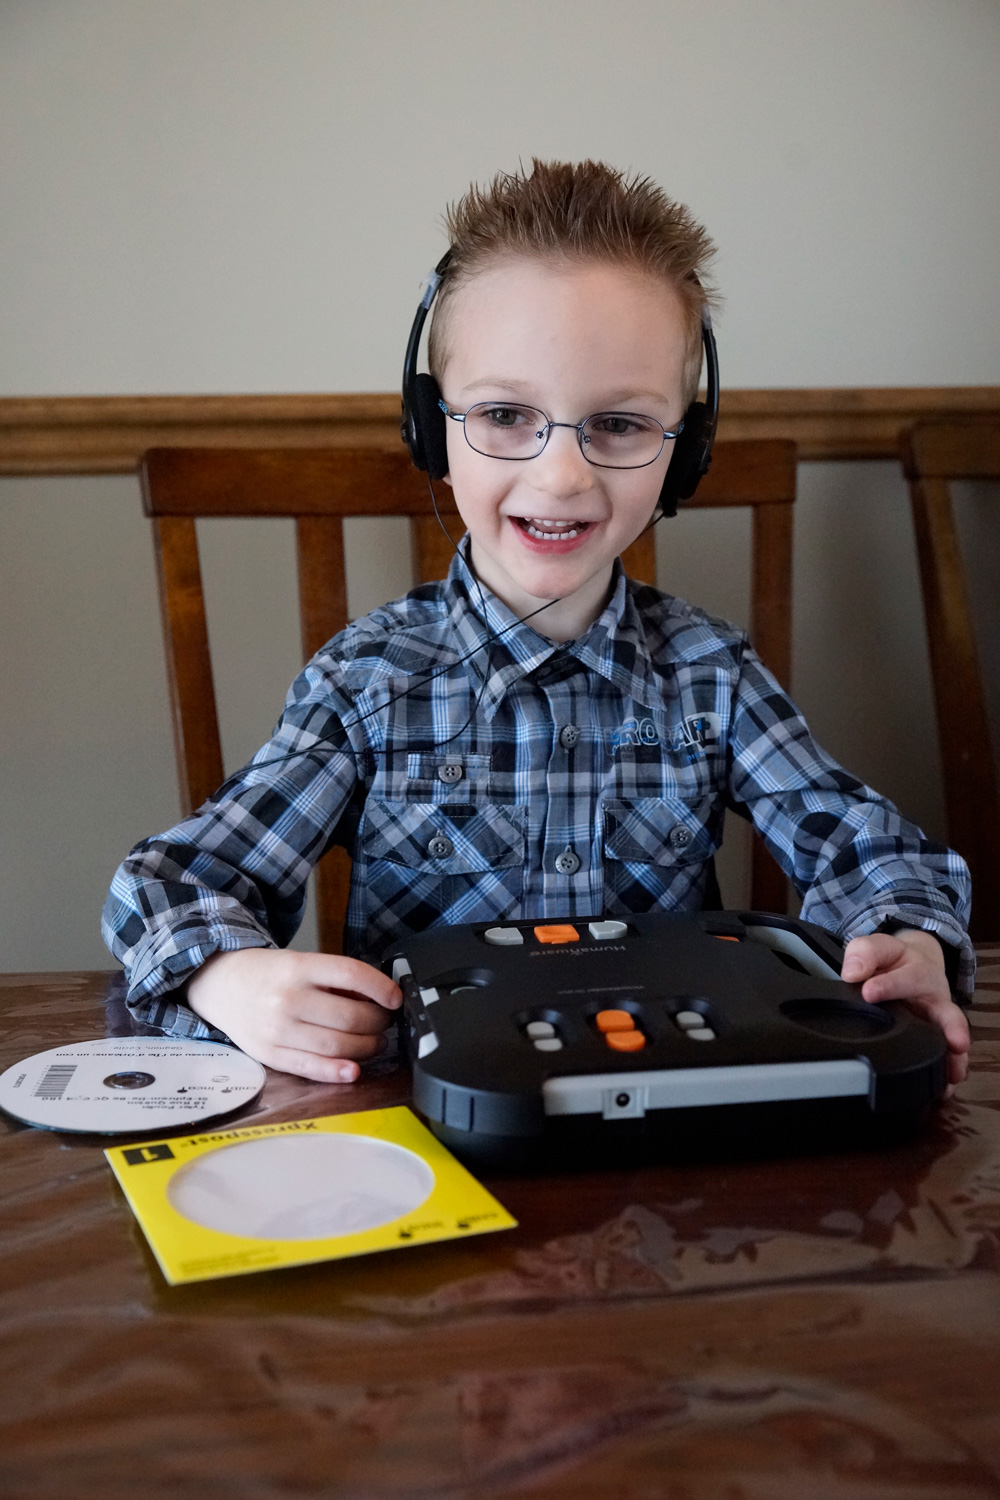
{"type": "Point", "coordinates": [331, 971]}
{"type": "Point", "coordinates": [326, 1038]}
{"type": "Point", "coordinates": [939, 1009]}
{"type": "Point", "coordinates": [326, 1012]}
{"type": "Point", "coordinates": [310, 1065]}
{"type": "Point", "coordinates": [314, 1052]}
{"type": "Point", "coordinates": [865, 956]}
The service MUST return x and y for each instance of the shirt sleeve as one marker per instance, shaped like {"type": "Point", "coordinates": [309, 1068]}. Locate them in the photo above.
{"type": "Point", "coordinates": [858, 864]}
{"type": "Point", "coordinates": [233, 875]}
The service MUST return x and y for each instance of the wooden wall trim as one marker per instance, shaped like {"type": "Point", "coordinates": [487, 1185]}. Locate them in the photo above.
{"type": "Point", "coordinates": [106, 434]}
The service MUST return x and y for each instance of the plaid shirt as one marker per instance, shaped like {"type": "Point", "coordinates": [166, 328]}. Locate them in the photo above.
{"type": "Point", "coordinates": [535, 779]}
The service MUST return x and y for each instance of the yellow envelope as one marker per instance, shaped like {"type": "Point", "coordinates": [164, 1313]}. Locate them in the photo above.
{"type": "Point", "coordinates": [252, 1199]}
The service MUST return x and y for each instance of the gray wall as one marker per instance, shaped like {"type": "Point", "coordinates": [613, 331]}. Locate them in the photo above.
{"type": "Point", "coordinates": [243, 195]}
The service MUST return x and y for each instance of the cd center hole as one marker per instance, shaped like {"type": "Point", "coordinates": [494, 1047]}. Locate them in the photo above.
{"type": "Point", "coordinates": [129, 1080]}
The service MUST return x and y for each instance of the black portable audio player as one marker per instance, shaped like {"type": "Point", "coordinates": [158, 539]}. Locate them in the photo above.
{"type": "Point", "coordinates": [652, 1033]}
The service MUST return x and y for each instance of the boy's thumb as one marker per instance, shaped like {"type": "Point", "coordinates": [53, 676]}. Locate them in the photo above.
{"type": "Point", "coordinates": [854, 967]}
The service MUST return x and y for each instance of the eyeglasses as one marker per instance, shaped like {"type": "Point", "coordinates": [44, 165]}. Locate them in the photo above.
{"type": "Point", "coordinates": [609, 439]}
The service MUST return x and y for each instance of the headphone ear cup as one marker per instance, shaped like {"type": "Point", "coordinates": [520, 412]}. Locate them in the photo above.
{"type": "Point", "coordinates": [690, 460]}
{"type": "Point", "coordinates": [429, 428]}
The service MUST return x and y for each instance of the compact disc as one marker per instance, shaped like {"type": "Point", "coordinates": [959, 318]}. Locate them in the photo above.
{"type": "Point", "coordinates": [301, 1187]}
{"type": "Point", "coordinates": [124, 1084]}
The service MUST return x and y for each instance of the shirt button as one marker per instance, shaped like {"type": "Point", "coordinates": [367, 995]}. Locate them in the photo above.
{"type": "Point", "coordinates": [449, 773]}
{"type": "Point", "coordinates": [440, 847]}
{"type": "Point", "coordinates": [679, 837]}
{"type": "Point", "coordinates": [568, 862]}
{"type": "Point", "coordinates": [569, 736]}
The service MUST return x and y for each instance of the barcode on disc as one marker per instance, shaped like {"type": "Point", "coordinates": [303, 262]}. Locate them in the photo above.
{"type": "Point", "coordinates": [53, 1085]}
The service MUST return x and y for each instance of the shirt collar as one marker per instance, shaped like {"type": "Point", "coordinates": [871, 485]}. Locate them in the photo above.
{"type": "Point", "coordinates": [614, 646]}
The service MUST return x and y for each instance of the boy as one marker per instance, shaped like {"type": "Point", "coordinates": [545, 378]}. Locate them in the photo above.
{"type": "Point", "coordinates": [472, 759]}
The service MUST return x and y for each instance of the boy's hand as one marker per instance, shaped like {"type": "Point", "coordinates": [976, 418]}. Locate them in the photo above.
{"type": "Point", "coordinates": [313, 1014]}
{"type": "Point", "coordinates": [909, 966]}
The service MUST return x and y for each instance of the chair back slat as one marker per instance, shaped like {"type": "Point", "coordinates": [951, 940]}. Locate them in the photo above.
{"type": "Point", "coordinates": [321, 487]}
{"type": "Point", "coordinates": [933, 454]}
{"type": "Point", "coordinates": [189, 662]}
{"type": "Point", "coordinates": [433, 549]}
{"type": "Point", "coordinates": [319, 543]}
{"type": "Point", "coordinates": [771, 588]}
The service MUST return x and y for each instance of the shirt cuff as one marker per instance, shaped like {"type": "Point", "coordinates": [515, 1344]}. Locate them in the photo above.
{"type": "Point", "coordinates": [158, 982]}
{"type": "Point", "coordinates": [959, 954]}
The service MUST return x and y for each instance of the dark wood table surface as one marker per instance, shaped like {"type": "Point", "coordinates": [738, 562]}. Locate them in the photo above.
{"type": "Point", "coordinates": [819, 1327]}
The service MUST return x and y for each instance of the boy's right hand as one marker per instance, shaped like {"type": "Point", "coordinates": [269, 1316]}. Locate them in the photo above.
{"type": "Point", "coordinates": [317, 1015]}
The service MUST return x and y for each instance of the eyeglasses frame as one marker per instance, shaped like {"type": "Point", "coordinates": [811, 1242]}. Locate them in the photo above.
{"type": "Point", "coordinates": [577, 427]}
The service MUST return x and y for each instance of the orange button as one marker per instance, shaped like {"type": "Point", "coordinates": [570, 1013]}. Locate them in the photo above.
{"type": "Point", "coordinates": [614, 1020]}
{"type": "Point", "coordinates": [723, 937]}
{"type": "Point", "coordinates": [626, 1041]}
{"type": "Point", "coordinates": [564, 934]}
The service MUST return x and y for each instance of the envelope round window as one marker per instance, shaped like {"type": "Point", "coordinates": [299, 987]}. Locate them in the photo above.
{"type": "Point", "coordinates": [662, 830]}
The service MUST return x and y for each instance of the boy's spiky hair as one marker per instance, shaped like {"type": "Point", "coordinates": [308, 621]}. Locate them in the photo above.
{"type": "Point", "coordinates": [586, 211]}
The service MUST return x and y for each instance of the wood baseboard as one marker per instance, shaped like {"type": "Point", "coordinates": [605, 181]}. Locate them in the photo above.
{"type": "Point", "coordinates": [107, 434]}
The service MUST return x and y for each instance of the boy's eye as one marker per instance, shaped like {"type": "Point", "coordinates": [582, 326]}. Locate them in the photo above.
{"type": "Point", "coordinates": [504, 416]}
{"type": "Point", "coordinates": [614, 424]}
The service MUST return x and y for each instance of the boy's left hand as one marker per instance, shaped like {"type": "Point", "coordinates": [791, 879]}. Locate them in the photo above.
{"type": "Point", "coordinates": [909, 965]}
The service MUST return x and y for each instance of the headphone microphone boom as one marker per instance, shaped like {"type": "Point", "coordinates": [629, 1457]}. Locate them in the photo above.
{"type": "Point", "coordinates": [424, 426]}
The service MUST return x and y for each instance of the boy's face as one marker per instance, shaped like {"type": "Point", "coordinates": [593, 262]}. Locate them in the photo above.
{"type": "Point", "coordinates": [572, 341]}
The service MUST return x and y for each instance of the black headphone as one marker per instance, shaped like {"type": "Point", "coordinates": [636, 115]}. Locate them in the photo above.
{"type": "Point", "coordinates": [425, 428]}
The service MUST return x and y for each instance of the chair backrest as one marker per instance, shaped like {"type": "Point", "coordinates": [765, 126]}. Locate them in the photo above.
{"type": "Point", "coordinates": [934, 453]}
{"type": "Point", "coordinates": [319, 488]}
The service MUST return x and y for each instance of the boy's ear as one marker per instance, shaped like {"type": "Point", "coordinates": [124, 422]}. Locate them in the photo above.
{"type": "Point", "coordinates": [430, 426]}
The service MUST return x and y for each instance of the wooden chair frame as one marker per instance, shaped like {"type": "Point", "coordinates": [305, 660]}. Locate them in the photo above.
{"type": "Point", "coordinates": [934, 453]}
{"type": "Point", "coordinates": [319, 488]}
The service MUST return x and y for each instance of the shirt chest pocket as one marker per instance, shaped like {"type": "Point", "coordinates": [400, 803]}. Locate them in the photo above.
{"type": "Point", "coordinates": [450, 838]}
{"type": "Point", "coordinates": [662, 830]}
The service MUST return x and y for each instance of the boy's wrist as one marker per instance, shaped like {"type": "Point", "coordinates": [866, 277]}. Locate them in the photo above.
{"type": "Point", "coordinates": [950, 954]}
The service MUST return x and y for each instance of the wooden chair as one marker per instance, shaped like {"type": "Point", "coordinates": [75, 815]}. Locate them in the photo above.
{"type": "Point", "coordinates": [319, 488]}
{"type": "Point", "coordinates": [933, 454]}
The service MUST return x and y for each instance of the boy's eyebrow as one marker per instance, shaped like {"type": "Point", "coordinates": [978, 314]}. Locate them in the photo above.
{"type": "Point", "coordinates": [523, 388]}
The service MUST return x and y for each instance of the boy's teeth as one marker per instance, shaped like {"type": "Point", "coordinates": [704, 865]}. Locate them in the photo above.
{"type": "Point", "coordinates": [564, 530]}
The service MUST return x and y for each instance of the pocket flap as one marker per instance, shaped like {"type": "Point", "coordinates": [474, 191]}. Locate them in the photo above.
{"type": "Point", "coordinates": [450, 838]}
{"type": "Point", "coordinates": [663, 830]}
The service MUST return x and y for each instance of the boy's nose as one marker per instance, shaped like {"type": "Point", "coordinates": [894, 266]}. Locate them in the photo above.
{"type": "Point", "coordinates": [561, 469]}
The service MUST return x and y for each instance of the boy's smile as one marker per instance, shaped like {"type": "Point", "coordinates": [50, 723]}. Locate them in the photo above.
{"type": "Point", "coordinates": [572, 339]}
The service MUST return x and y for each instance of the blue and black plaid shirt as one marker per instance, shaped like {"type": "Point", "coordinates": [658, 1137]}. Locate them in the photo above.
{"type": "Point", "coordinates": [537, 779]}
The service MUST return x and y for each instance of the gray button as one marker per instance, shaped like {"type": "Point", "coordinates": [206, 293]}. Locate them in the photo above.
{"type": "Point", "coordinates": [540, 1028]}
{"type": "Point", "coordinates": [503, 937]}
{"type": "Point", "coordinates": [602, 931]}
{"type": "Point", "coordinates": [569, 736]}
{"type": "Point", "coordinates": [450, 772]}
{"type": "Point", "coordinates": [689, 1020]}
{"type": "Point", "coordinates": [679, 837]}
{"type": "Point", "coordinates": [440, 847]}
{"type": "Point", "coordinates": [568, 862]}
{"type": "Point", "coordinates": [548, 1044]}
{"type": "Point", "coordinates": [701, 1034]}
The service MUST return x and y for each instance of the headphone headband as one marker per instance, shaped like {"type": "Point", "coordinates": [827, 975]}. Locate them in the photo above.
{"type": "Point", "coordinates": [424, 427]}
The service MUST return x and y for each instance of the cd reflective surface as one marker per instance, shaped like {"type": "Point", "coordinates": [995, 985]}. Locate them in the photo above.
{"type": "Point", "coordinates": [301, 1187]}
{"type": "Point", "coordinates": [125, 1085]}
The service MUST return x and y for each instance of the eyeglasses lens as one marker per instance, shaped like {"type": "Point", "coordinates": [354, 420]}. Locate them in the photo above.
{"type": "Point", "coordinates": [506, 431]}
{"type": "Point", "coordinates": [622, 440]}
{"type": "Point", "coordinates": [612, 440]}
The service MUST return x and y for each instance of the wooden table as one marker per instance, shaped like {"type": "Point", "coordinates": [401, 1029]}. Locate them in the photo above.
{"type": "Point", "coordinates": [794, 1329]}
